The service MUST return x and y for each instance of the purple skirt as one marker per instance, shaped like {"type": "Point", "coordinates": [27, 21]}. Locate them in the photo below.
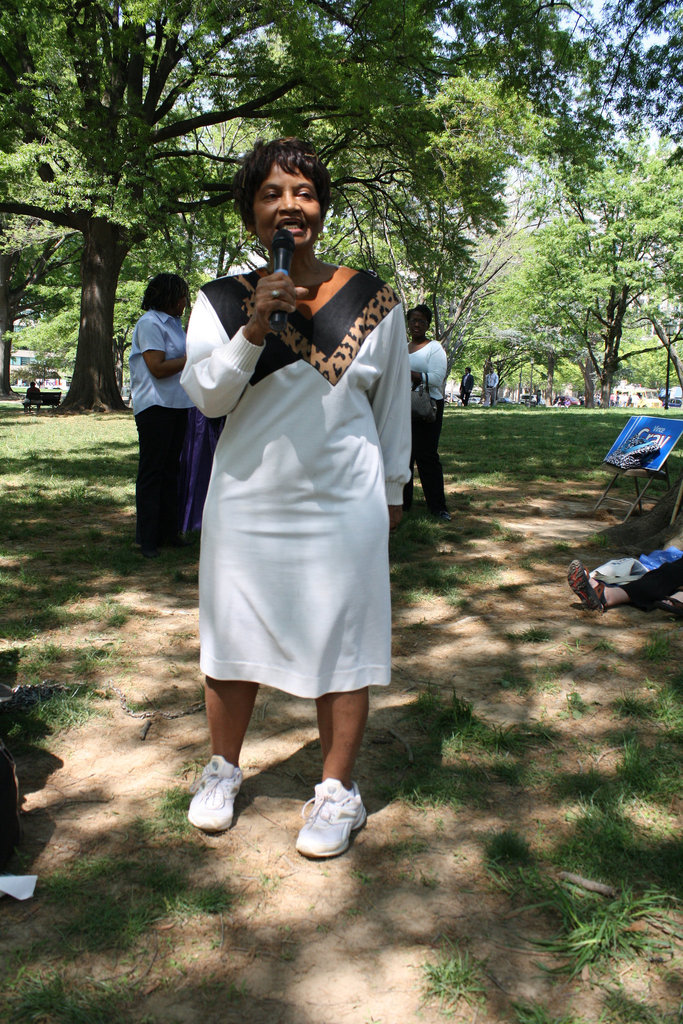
{"type": "Point", "coordinates": [196, 460]}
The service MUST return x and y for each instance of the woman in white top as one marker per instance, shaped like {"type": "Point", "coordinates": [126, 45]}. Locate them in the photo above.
{"type": "Point", "coordinates": [427, 363]}
{"type": "Point", "coordinates": [307, 480]}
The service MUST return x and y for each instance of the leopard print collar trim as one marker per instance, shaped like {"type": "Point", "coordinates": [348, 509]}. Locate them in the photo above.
{"type": "Point", "coordinates": [328, 341]}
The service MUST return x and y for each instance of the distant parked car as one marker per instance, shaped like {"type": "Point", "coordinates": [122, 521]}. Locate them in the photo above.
{"type": "Point", "coordinates": [675, 397]}
{"type": "Point", "coordinates": [564, 401]}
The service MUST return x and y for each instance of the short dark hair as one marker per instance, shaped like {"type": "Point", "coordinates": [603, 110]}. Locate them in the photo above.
{"type": "Point", "coordinates": [468, 369]}
{"type": "Point", "coordinates": [290, 154]}
{"type": "Point", "coordinates": [164, 291]}
{"type": "Point", "coordinates": [423, 310]}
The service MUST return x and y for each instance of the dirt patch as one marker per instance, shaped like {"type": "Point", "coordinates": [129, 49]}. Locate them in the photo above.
{"type": "Point", "coordinates": [344, 940]}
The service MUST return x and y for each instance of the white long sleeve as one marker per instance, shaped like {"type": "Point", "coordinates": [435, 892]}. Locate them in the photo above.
{"type": "Point", "coordinates": [218, 368]}
{"type": "Point", "coordinates": [391, 407]}
{"type": "Point", "coordinates": [431, 360]}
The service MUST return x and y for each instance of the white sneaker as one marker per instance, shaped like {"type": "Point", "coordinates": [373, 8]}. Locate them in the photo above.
{"type": "Point", "coordinates": [336, 813]}
{"type": "Point", "coordinates": [215, 792]}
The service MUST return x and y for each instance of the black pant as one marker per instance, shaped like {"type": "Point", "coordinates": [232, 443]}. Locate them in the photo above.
{"type": "Point", "coordinates": [465, 397]}
{"type": "Point", "coordinates": [656, 584]}
{"type": "Point", "coordinates": [161, 433]}
{"type": "Point", "coordinates": [426, 454]}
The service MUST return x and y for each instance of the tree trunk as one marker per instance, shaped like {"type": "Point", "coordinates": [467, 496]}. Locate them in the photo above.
{"type": "Point", "coordinates": [676, 361]}
{"type": "Point", "coordinates": [551, 376]}
{"type": "Point", "coordinates": [612, 323]}
{"type": "Point", "coordinates": [651, 531]}
{"type": "Point", "coordinates": [120, 345]}
{"type": "Point", "coordinates": [6, 325]}
{"type": "Point", "coordinates": [93, 386]}
{"type": "Point", "coordinates": [118, 361]}
{"type": "Point", "coordinates": [669, 341]}
{"type": "Point", "coordinates": [588, 389]}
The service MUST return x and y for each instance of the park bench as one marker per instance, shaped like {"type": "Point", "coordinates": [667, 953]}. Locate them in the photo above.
{"type": "Point", "coordinates": [50, 398]}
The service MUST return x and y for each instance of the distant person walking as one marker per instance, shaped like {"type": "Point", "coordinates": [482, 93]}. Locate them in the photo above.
{"type": "Point", "coordinates": [491, 386]}
{"type": "Point", "coordinates": [466, 385]}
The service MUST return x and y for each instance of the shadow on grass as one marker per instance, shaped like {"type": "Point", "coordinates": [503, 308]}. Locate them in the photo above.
{"type": "Point", "coordinates": [605, 842]}
{"type": "Point", "coordinates": [113, 901]}
{"type": "Point", "coordinates": [110, 462]}
{"type": "Point", "coordinates": [460, 761]}
{"type": "Point", "coordinates": [67, 550]}
{"type": "Point", "coordinates": [158, 886]}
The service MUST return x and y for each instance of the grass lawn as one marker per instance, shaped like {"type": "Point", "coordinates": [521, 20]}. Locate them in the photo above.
{"type": "Point", "coordinates": [521, 741]}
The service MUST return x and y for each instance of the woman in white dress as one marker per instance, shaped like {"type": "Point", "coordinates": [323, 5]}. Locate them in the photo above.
{"type": "Point", "coordinates": [307, 481]}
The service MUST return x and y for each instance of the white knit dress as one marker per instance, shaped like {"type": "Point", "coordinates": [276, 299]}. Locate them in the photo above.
{"type": "Point", "coordinates": [294, 571]}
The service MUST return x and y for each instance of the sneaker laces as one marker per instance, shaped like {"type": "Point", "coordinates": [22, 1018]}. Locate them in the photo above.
{"type": "Point", "coordinates": [206, 784]}
{"type": "Point", "coordinates": [209, 781]}
{"type": "Point", "coordinates": [324, 807]}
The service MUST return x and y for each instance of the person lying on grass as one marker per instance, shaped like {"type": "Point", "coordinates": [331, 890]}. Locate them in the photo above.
{"type": "Point", "coordinates": [657, 588]}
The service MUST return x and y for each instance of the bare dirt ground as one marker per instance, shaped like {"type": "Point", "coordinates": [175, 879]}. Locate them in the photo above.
{"type": "Point", "coordinates": [345, 941]}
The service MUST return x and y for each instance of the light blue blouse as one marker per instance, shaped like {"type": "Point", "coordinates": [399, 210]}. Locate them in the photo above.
{"type": "Point", "coordinates": [160, 332]}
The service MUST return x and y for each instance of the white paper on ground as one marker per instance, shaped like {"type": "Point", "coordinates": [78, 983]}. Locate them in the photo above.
{"type": "Point", "coordinates": [19, 886]}
{"type": "Point", "coordinates": [619, 571]}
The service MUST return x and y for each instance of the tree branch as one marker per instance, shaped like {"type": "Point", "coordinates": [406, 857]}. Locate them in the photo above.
{"type": "Point", "coordinates": [66, 220]}
{"type": "Point", "coordinates": [640, 352]}
{"type": "Point", "coordinates": [179, 128]}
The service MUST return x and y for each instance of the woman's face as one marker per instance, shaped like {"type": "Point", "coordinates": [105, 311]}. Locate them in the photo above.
{"type": "Point", "coordinates": [289, 201]}
{"type": "Point", "coordinates": [417, 327]}
{"type": "Point", "coordinates": [177, 308]}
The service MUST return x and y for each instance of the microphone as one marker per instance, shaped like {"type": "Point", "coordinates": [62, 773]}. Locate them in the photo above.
{"type": "Point", "coordinates": [283, 247]}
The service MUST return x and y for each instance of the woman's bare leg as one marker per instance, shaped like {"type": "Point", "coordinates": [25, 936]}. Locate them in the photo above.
{"type": "Point", "coordinates": [611, 595]}
{"type": "Point", "coordinates": [229, 706]}
{"type": "Point", "coordinates": [341, 723]}
{"type": "Point", "coordinates": [617, 595]}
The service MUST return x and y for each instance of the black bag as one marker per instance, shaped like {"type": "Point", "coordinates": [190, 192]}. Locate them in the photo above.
{"type": "Point", "coordinates": [10, 827]}
{"type": "Point", "coordinates": [422, 405]}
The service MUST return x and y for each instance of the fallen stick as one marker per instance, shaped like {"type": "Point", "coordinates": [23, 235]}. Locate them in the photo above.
{"type": "Point", "coordinates": [588, 883]}
{"type": "Point", "coordinates": [405, 743]}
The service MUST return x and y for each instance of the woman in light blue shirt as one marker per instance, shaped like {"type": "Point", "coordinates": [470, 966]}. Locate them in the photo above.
{"type": "Point", "coordinates": [160, 405]}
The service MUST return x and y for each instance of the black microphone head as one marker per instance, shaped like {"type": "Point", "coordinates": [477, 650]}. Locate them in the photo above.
{"type": "Point", "coordinates": [284, 239]}
{"type": "Point", "coordinates": [283, 248]}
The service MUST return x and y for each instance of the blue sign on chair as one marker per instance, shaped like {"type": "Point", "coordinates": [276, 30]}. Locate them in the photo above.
{"type": "Point", "coordinates": [641, 450]}
{"type": "Point", "coordinates": [645, 443]}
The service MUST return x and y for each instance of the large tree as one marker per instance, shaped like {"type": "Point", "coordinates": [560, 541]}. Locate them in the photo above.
{"type": "Point", "coordinates": [116, 116]}
{"type": "Point", "coordinates": [606, 260]}
{"type": "Point", "coordinates": [643, 69]}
